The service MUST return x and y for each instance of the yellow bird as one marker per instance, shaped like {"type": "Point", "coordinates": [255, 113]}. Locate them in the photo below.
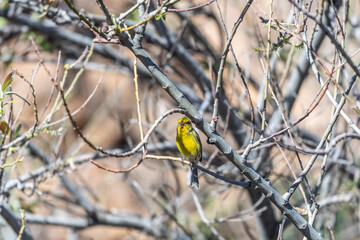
{"type": "Point", "coordinates": [189, 145]}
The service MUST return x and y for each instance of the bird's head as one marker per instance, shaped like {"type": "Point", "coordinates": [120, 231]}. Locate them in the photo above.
{"type": "Point", "coordinates": [184, 121]}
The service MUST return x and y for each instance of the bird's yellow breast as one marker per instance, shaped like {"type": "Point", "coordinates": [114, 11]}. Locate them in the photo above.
{"type": "Point", "coordinates": [187, 142]}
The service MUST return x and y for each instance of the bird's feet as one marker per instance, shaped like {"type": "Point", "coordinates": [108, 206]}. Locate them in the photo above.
{"type": "Point", "coordinates": [183, 161]}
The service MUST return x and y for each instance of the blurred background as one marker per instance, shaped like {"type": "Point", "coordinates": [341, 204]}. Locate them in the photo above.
{"type": "Point", "coordinates": [45, 171]}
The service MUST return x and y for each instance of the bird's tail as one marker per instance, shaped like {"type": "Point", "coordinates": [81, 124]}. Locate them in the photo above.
{"type": "Point", "coordinates": [193, 176]}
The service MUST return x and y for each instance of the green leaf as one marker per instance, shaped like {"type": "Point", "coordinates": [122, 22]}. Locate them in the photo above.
{"type": "Point", "coordinates": [258, 49]}
{"type": "Point", "coordinates": [17, 131]}
{"type": "Point", "coordinates": [158, 16]}
{"type": "Point", "coordinates": [164, 16]}
{"type": "Point", "coordinates": [300, 45]}
{"type": "Point", "coordinates": [161, 15]}
{"type": "Point", "coordinates": [9, 93]}
{"type": "Point", "coordinates": [9, 78]}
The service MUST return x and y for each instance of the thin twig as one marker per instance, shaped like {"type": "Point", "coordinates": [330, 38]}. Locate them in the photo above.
{"type": "Point", "coordinates": [22, 229]}
{"type": "Point", "coordinates": [138, 104]}
{"type": "Point", "coordinates": [215, 116]}
{"type": "Point", "coordinates": [85, 19]}
{"type": "Point", "coordinates": [330, 35]}
{"type": "Point", "coordinates": [192, 8]}
{"type": "Point", "coordinates": [202, 215]}
{"type": "Point", "coordinates": [116, 171]}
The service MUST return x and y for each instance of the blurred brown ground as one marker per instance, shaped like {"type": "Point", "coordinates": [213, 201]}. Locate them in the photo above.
{"type": "Point", "coordinates": [105, 120]}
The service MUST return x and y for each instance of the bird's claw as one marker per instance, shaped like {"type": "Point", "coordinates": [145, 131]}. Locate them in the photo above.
{"type": "Point", "coordinates": [182, 161]}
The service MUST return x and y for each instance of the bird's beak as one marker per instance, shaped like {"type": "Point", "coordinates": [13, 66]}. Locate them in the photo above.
{"type": "Point", "coordinates": [182, 124]}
